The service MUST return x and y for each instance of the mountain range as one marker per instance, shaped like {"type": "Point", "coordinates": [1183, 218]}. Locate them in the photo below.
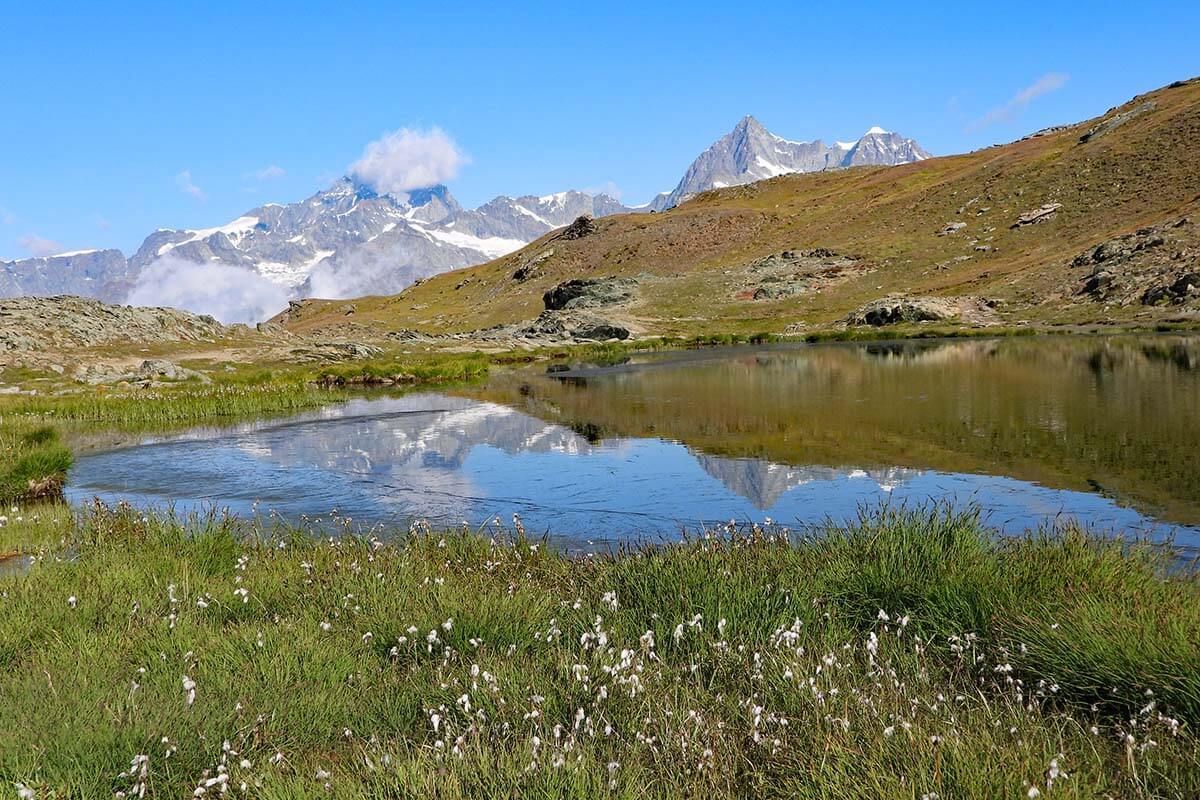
{"type": "Point", "coordinates": [1094, 222]}
{"type": "Point", "coordinates": [751, 153]}
{"type": "Point", "coordinates": [348, 240]}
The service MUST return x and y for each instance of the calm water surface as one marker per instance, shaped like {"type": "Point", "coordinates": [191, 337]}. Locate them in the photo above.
{"type": "Point", "coordinates": [1030, 431]}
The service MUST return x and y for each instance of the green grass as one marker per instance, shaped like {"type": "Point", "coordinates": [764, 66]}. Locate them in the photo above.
{"type": "Point", "coordinates": [436, 369]}
{"type": "Point", "coordinates": [447, 664]}
{"type": "Point", "coordinates": [33, 461]}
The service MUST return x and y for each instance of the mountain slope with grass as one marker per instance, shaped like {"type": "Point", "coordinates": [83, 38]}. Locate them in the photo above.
{"type": "Point", "coordinates": [1091, 223]}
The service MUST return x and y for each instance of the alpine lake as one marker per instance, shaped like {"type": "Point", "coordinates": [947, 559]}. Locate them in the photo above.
{"type": "Point", "coordinates": [1030, 431]}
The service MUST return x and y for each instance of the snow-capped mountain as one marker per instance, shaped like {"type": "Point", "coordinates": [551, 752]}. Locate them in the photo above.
{"type": "Point", "coordinates": [349, 240]}
{"type": "Point", "coordinates": [103, 274]}
{"type": "Point", "coordinates": [346, 240]}
{"type": "Point", "coordinates": [751, 153]}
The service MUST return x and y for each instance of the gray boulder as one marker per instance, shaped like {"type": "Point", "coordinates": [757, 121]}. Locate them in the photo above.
{"type": "Point", "coordinates": [589, 293]}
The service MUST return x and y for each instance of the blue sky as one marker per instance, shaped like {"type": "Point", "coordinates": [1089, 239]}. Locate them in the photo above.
{"type": "Point", "coordinates": [122, 118]}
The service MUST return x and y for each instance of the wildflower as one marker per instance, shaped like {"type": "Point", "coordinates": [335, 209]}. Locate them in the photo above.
{"type": "Point", "coordinates": [243, 593]}
{"type": "Point", "coordinates": [189, 686]}
{"type": "Point", "coordinates": [1055, 772]}
{"type": "Point", "coordinates": [325, 626]}
{"type": "Point", "coordinates": [322, 775]}
{"type": "Point", "coordinates": [72, 601]}
{"type": "Point", "coordinates": [889, 730]}
{"type": "Point", "coordinates": [1033, 792]}
{"type": "Point", "coordinates": [23, 791]}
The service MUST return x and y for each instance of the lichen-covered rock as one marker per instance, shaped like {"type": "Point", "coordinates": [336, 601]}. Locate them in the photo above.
{"type": "Point", "coordinates": [151, 371]}
{"type": "Point", "coordinates": [1116, 120]}
{"type": "Point", "coordinates": [65, 322]}
{"type": "Point", "coordinates": [589, 293]}
{"type": "Point", "coordinates": [1182, 288]}
{"type": "Point", "coordinates": [323, 352]}
{"type": "Point", "coordinates": [892, 310]}
{"type": "Point", "coordinates": [582, 226]}
{"type": "Point", "coordinates": [1040, 214]}
{"type": "Point", "coordinates": [896, 309]}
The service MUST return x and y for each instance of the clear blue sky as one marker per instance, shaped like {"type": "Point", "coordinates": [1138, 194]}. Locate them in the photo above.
{"type": "Point", "coordinates": [105, 106]}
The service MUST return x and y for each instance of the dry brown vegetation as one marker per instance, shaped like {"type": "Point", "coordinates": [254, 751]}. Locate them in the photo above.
{"type": "Point", "coordinates": [693, 262]}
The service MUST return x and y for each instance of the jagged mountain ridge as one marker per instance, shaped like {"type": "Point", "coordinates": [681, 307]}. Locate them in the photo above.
{"type": "Point", "coordinates": [751, 153]}
{"type": "Point", "coordinates": [87, 273]}
{"type": "Point", "coordinates": [344, 240]}
{"type": "Point", "coordinates": [348, 240]}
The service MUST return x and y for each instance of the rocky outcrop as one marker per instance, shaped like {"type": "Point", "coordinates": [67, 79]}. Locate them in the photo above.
{"type": "Point", "coordinates": [897, 309]}
{"type": "Point", "coordinates": [1155, 265]}
{"type": "Point", "coordinates": [1183, 288]}
{"type": "Point", "coordinates": [150, 372]}
{"type": "Point", "coordinates": [1041, 214]}
{"type": "Point", "coordinates": [796, 272]}
{"type": "Point", "coordinates": [325, 352]}
{"type": "Point", "coordinates": [31, 324]}
{"type": "Point", "coordinates": [572, 326]}
{"type": "Point", "coordinates": [551, 327]}
{"type": "Point", "coordinates": [1116, 120]}
{"type": "Point", "coordinates": [583, 226]}
{"type": "Point", "coordinates": [589, 293]}
{"type": "Point", "coordinates": [531, 267]}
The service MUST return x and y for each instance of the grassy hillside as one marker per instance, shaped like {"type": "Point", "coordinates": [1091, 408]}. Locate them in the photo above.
{"type": "Point", "coordinates": [695, 265]}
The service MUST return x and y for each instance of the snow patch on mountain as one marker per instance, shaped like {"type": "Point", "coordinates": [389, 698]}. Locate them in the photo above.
{"type": "Point", "coordinates": [751, 153]}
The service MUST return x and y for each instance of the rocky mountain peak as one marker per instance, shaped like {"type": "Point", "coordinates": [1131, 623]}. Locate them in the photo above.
{"type": "Point", "coordinates": [751, 153]}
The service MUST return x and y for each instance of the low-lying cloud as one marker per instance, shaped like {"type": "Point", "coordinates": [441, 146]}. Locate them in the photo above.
{"type": "Point", "coordinates": [229, 293]}
{"type": "Point", "coordinates": [37, 246]}
{"type": "Point", "coordinates": [407, 159]}
{"type": "Point", "coordinates": [1050, 82]}
{"type": "Point", "coordinates": [184, 181]}
{"type": "Point", "coordinates": [269, 173]}
{"type": "Point", "coordinates": [360, 274]}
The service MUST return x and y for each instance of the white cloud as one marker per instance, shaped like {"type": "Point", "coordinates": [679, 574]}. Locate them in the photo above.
{"type": "Point", "coordinates": [271, 173]}
{"type": "Point", "coordinates": [608, 187]}
{"type": "Point", "coordinates": [184, 181]}
{"type": "Point", "coordinates": [408, 159]}
{"type": "Point", "coordinates": [38, 246]}
{"type": "Point", "coordinates": [1050, 82]}
{"type": "Point", "coordinates": [231, 294]}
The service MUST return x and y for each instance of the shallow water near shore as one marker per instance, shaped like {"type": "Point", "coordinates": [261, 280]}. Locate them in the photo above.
{"type": "Point", "coordinates": [1031, 431]}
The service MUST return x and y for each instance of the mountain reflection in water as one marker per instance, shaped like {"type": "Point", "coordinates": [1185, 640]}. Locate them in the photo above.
{"type": "Point", "coordinates": [644, 449]}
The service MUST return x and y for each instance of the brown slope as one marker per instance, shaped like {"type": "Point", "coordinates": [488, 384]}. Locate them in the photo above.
{"type": "Point", "coordinates": [695, 269]}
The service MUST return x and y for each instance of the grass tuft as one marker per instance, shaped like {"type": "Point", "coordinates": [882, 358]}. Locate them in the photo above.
{"type": "Point", "coordinates": [909, 653]}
